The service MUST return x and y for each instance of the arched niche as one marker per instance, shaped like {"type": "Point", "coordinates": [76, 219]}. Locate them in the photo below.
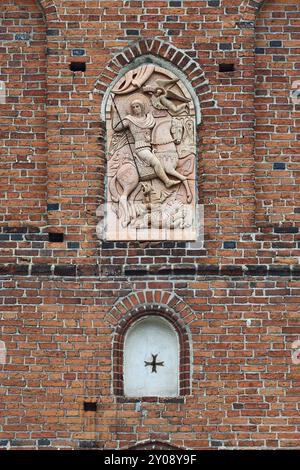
{"type": "Point", "coordinates": [173, 321]}
{"type": "Point", "coordinates": [151, 359]}
{"type": "Point", "coordinates": [151, 114]}
{"type": "Point", "coordinates": [154, 445]}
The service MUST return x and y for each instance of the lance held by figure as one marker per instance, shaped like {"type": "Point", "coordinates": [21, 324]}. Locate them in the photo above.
{"type": "Point", "coordinates": [140, 125]}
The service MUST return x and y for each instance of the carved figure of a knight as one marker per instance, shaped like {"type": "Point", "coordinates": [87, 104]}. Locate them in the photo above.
{"type": "Point", "coordinates": [151, 156]}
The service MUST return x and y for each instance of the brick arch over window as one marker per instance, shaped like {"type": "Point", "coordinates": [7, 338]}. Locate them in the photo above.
{"type": "Point", "coordinates": [157, 48]}
{"type": "Point", "coordinates": [140, 304]}
{"type": "Point", "coordinates": [252, 6]}
{"type": "Point", "coordinates": [49, 9]}
{"type": "Point", "coordinates": [153, 445]}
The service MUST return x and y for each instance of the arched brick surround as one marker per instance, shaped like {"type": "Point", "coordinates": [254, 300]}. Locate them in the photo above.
{"type": "Point", "coordinates": [140, 304]}
{"type": "Point", "coordinates": [49, 9]}
{"type": "Point", "coordinates": [153, 445]}
{"type": "Point", "coordinates": [166, 51]}
{"type": "Point", "coordinates": [253, 6]}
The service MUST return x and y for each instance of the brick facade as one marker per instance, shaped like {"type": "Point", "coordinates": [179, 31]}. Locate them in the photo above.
{"type": "Point", "coordinates": [65, 302]}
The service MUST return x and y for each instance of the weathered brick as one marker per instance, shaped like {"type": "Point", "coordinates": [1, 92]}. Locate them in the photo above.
{"type": "Point", "coordinates": [66, 302]}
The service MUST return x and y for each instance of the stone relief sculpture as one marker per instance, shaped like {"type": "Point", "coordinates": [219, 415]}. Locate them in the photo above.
{"type": "Point", "coordinates": [151, 151]}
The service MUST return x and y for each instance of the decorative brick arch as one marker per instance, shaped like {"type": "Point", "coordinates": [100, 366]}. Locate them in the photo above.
{"type": "Point", "coordinates": [155, 303]}
{"type": "Point", "coordinates": [163, 50]}
{"type": "Point", "coordinates": [49, 9]}
{"type": "Point", "coordinates": [251, 6]}
{"type": "Point", "coordinates": [153, 445]}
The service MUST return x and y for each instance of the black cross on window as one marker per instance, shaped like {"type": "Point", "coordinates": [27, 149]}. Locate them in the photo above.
{"type": "Point", "coordinates": [154, 364]}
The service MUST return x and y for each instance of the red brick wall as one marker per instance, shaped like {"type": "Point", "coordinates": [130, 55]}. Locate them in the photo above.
{"type": "Point", "coordinates": [277, 118]}
{"type": "Point", "coordinates": [23, 117]}
{"type": "Point", "coordinates": [233, 179]}
{"type": "Point", "coordinates": [62, 303]}
{"type": "Point", "coordinates": [245, 388]}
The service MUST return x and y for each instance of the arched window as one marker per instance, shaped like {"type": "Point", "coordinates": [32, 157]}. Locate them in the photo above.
{"type": "Point", "coordinates": [151, 355]}
{"type": "Point", "coordinates": [154, 445]}
{"type": "Point", "coordinates": [151, 359]}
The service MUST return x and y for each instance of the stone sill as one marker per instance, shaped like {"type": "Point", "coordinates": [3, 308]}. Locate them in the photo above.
{"type": "Point", "coordinates": [154, 399]}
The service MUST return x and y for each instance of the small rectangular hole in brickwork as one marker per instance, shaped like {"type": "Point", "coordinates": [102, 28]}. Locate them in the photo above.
{"type": "Point", "coordinates": [226, 68]}
{"type": "Point", "coordinates": [78, 52]}
{"type": "Point", "coordinates": [89, 406]}
{"type": "Point", "coordinates": [78, 66]}
{"type": "Point", "coordinates": [56, 237]}
{"type": "Point", "coordinates": [53, 207]}
{"type": "Point", "coordinates": [279, 166]}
